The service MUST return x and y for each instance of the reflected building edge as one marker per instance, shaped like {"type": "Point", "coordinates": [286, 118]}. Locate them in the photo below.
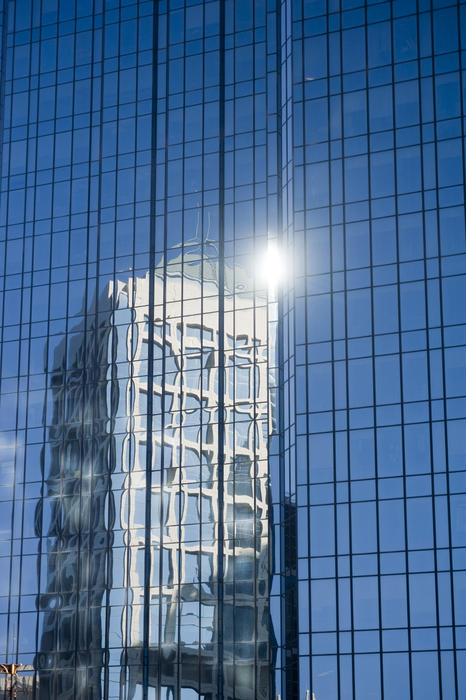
{"type": "Point", "coordinates": [106, 568]}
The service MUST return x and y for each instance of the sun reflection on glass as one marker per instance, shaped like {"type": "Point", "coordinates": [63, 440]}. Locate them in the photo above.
{"type": "Point", "coordinates": [271, 267]}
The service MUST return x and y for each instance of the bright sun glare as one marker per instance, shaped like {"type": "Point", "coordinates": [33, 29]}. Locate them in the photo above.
{"type": "Point", "coordinates": [271, 266]}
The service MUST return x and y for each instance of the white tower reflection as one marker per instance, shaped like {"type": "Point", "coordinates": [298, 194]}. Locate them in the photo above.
{"type": "Point", "coordinates": [184, 499]}
{"type": "Point", "coordinates": [181, 578]}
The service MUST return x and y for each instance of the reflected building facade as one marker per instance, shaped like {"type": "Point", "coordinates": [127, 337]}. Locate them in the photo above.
{"type": "Point", "coordinates": [212, 486]}
{"type": "Point", "coordinates": [104, 564]}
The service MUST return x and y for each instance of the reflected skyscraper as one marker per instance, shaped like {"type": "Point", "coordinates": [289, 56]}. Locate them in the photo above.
{"type": "Point", "coordinates": [104, 565]}
{"type": "Point", "coordinates": [75, 517]}
{"type": "Point", "coordinates": [216, 482]}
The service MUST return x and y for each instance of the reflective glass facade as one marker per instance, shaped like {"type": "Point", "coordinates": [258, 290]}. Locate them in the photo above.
{"type": "Point", "coordinates": [376, 336]}
{"type": "Point", "coordinates": [214, 485]}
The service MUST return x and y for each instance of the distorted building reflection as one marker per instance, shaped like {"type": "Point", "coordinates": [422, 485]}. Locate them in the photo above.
{"type": "Point", "coordinates": [135, 595]}
{"type": "Point", "coordinates": [75, 514]}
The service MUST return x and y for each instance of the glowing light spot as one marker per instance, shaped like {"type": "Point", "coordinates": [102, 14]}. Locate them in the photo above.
{"type": "Point", "coordinates": [271, 268]}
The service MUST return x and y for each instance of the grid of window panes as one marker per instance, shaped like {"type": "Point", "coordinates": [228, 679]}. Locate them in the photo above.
{"type": "Point", "coordinates": [75, 215]}
{"type": "Point", "coordinates": [216, 200]}
{"type": "Point", "coordinates": [139, 179]}
{"type": "Point", "coordinates": [153, 475]}
{"type": "Point", "coordinates": [379, 239]}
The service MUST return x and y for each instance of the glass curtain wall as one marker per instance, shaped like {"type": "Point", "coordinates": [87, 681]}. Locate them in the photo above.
{"type": "Point", "coordinates": [139, 184]}
{"type": "Point", "coordinates": [75, 218]}
{"type": "Point", "coordinates": [379, 333]}
{"type": "Point", "coordinates": [209, 487]}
